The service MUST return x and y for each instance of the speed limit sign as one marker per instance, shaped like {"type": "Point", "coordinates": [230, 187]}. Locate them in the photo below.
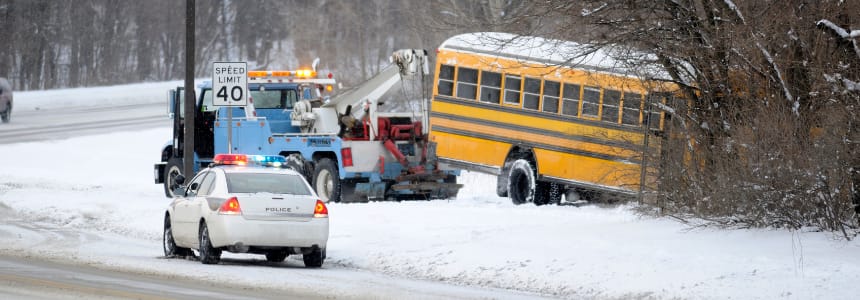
{"type": "Point", "coordinates": [230, 84]}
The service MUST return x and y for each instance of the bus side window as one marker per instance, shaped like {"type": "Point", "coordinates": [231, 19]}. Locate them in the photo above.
{"type": "Point", "coordinates": [531, 93]}
{"type": "Point", "coordinates": [467, 83]}
{"type": "Point", "coordinates": [653, 121]}
{"type": "Point", "coordinates": [632, 103]}
{"type": "Point", "coordinates": [590, 101]}
{"type": "Point", "coordinates": [491, 84]}
{"type": "Point", "coordinates": [611, 103]}
{"type": "Point", "coordinates": [512, 89]}
{"type": "Point", "coordinates": [551, 91]}
{"type": "Point", "coordinates": [446, 80]}
{"type": "Point", "coordinates": [570, 105]}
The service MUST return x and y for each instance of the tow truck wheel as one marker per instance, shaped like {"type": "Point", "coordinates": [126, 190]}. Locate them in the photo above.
{"type": "Point", "coordinates": [171, 170]}
{"type": "Point", "coordinates": [327, 180]}
{"type": "Point", "coordinates": [298, 163]}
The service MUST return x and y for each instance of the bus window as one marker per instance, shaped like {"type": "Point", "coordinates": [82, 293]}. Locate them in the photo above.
{"type": "Point", "coordinates": [551, 90]}
{"type": "Point", "coordinates": [654, 119]}
{"type": "Point", "coordinates": [467, 83]}
{"type": "Point", "coordinates": [590, 101]}
{"type": "Point", "coordinates": [570, 106]}
{"type": "Point", "coordinates": [531, 93]}
{"type": "Point", "coordinates": [512, 89]}
{"type": "Point", "coordinates": [491, 84]}
{"type": "Point", "coordinates": [632, 102]}
{"type": "Point", "coordinates": [611, 101]}
{"type": "Point", "coordinates": [446, 80]}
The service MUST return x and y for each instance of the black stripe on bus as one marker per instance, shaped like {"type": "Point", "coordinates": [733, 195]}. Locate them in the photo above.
{"type": "Point", "coordinates": [537, 131]}
{"type": "Point", "coordinates": [581, 138]}
{"type": "Point", "coordinates": [535, 145]}
{"type": "Point", "coordinates": [539, 114]}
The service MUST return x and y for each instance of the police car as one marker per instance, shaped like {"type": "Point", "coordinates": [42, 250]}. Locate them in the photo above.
{"type": "Point", "coordinates": [247, 204]}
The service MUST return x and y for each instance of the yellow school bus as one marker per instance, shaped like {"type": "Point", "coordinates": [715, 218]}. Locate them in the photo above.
{"type": "Point", "coordinates": [547, 117]}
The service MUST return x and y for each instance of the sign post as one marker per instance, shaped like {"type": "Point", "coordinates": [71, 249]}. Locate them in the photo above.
{"type": "Point", "coordinates": [230, 88]}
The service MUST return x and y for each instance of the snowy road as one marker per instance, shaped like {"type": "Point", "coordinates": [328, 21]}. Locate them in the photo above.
{"type": "Point", "coordinates": [89, 200]}
{"type": "Point", "coordinates": [39, 125]}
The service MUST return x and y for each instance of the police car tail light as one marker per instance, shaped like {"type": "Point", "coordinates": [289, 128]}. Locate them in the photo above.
{"type": "Point", "coordinates": [230, 207]}
{"type": "Point", "coordinates": [320, 210]}
{"type": "Point", "coordinates": [230, 159]}
{"type": "Point", "coordinates": [346, 154]}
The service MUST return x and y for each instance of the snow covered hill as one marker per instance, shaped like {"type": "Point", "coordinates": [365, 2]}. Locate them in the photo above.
{"type": "Point", "coordinates": [101, 208]}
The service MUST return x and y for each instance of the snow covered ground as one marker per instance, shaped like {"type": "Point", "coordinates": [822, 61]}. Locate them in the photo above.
{"type": "Point", "coordinates": [104, 210]}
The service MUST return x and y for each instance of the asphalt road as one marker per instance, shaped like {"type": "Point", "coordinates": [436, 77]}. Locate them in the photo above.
{"type": "Point", "coordinates": [60, 123]}
{"type": "Point", "coordinates": [22, 278]}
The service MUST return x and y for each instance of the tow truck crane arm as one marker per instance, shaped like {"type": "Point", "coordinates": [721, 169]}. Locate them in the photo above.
{"type": "Point", "coordinates": [405, 64]}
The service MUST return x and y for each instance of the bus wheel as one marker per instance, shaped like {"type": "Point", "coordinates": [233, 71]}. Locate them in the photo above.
{"type": "Point", "coordinates": [521, 182]}
{"type": "Point", "coordinates": [548, 193]}
{"type": "Point", "coordinates": [327, 180]}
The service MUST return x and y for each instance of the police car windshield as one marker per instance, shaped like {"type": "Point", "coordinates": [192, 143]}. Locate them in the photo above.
{"type": "Point", "coordinates": [266, 183]}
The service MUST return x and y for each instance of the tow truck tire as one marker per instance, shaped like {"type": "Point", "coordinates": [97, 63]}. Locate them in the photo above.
{"type": "Point", "coordinates": [170, 248]}
{"type": "Point", "coordinates": [521, 182]}
{"type": "Point", "coordinates": [173, 168]}
{"type": "Point", "coordinates": [327, 180]}
{"type": "Point", "coordinates": [314, 259]}
{"type": "Point", "coordinates": [298, 163]}
{"type": "Point", "coordinates": [208, 254]}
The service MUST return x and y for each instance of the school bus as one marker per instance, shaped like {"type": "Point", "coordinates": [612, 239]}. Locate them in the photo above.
{"type": "Point", "coordinates": [548, 121]}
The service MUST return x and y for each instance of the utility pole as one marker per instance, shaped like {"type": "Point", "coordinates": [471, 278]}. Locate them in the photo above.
{"type": "Point", "coordinates": [188, 141]}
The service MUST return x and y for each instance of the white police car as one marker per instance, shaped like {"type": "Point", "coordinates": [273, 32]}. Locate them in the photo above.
{"type": "Point", "coordinates": [238, 206]}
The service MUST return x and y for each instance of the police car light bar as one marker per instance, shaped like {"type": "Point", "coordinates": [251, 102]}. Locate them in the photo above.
{"type": "Point", "coordinates": [243, 159]}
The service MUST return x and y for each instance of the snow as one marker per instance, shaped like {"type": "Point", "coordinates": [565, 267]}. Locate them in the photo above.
{"type": "Point", "coordinates": [102, 209]}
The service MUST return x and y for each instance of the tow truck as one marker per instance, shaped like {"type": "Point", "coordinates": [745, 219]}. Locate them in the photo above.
{"type": "Point", "coordinates": [341, 143]}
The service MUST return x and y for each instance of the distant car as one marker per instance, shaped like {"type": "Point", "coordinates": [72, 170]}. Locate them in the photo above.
{"type": "Point", "coordinates": [5, 100]}
{"type": "Point", "coordinates": [238, 207]}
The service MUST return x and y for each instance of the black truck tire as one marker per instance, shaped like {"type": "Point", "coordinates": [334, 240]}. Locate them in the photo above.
{"type": "Point", "coordinates": [173, 168]}
{"type": "Point", "coordinates": [327, 180]}
{"type": "Point", "coordinates": [522, 182]}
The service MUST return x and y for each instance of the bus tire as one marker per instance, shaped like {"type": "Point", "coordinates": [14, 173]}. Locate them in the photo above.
{"type": "Point", "coordinates": [548, 193]}
{"type": "Point", "coordinates": [522, 182]}
{"type": "Point", "coordinates": [327, 180]}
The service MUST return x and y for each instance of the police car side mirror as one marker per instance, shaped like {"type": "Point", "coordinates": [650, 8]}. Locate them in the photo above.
{"type": "Point", "coordinates": [179, 179]}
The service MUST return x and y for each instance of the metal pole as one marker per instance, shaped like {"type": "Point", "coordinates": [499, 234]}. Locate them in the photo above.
{"type": "Point", "coordinates": [230, 129]}
{"type": "Point", "coordinates": [188, 149]}
{"type": "Point", "coordinates": [646, 134]}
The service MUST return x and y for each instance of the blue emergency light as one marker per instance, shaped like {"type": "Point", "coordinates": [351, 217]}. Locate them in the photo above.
{"type": "Point", "coordinates": [243, 159]}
